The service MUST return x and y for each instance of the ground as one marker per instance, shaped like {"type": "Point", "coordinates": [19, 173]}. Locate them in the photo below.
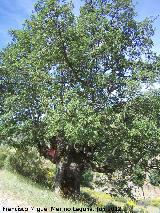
{"type": "Point", "coordinates": [8, 201]}
{"type": "Point", "coordinates": [8, 198]}
{"type": "Point", "coordinates": [18, 192]}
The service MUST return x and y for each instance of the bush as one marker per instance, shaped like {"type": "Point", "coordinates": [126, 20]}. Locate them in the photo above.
{"type": "Point", "coordinates": [100, 197]}
{"type": "Point", "coordinates": [29, 164]}
{"type": "Point", "coordinates": [155, 177]}
{"type": "Point", "coordinates": [131, 206]}
{"type": "Point", "coordinates": [87, 178]}
{"type": "Point", "coordinates": [128, 207]}
{"type": "Point", "coordinates": [110, 207]}
{"type": "Point", "coordinates": [4, 150]}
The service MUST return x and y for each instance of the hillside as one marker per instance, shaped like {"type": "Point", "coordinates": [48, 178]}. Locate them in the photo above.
{"type": "Point", "coordinates": [16, 191]}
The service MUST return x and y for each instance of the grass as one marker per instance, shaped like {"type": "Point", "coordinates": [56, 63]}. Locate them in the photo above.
{"type": "Point", "coordinates": [33, 194]}
{"type": "Point", "coordinates": [23, 189]}
{"type": "Point", "coordinates": [154, 202]}
{"type": "Point", "coordinates": [99, 198]}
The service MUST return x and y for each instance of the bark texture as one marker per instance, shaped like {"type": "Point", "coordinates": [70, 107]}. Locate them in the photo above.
{"type": "Point", "coordinates": [67, 181]}
{"type": "Point", "coordinates": [71, 161]}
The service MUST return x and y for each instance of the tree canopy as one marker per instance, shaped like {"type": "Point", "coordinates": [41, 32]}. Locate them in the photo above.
{"type": "Point", "coordinates": [74, 83]}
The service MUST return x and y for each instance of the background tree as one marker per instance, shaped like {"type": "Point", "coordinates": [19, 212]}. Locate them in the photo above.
{"type": "Point", "coordinates": [73, 86]}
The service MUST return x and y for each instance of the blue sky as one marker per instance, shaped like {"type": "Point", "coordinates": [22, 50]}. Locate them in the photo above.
{"type": "Point", "coordinates": [14, 12]}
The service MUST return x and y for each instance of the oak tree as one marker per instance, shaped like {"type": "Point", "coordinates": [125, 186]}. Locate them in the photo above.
{"type": "Point", "coordinates": [71, 88]}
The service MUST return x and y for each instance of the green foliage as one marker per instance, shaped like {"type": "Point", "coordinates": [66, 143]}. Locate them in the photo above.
{"type": "Point", "coordinates": [129, 206]}
{"type": "Point", "coordinates": [155, 177]}
{"type": "Point", "coordinates": [110, 207]}
{"type": "Point", "coordinates": [104, 200]}
{"type": "Point", "coordinates": [87, 178]}
{"type": "Point", "coordinates": [100, 198]}
{"type": "Point", "coordinates": [3, 155]}
{"type": "Point", "coordinates": [139, 176]}
{"type": "Point", "coordinates": [29, 164]}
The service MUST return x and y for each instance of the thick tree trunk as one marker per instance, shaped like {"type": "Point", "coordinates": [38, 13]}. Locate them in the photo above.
{"type": "Point", "coordinates": [67, 181]}
{"type": "Point", "coordinates": [71, 161]}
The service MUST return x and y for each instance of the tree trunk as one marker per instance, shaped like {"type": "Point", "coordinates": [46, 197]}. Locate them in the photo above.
{"type": "Point", "coordinates": [67, 181]}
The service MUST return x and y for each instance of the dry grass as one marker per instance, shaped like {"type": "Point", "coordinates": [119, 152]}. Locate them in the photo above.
{"type": "Point", "coordinates": [21, 190]}
{"type": "Point", "coordinates": [18, 190]}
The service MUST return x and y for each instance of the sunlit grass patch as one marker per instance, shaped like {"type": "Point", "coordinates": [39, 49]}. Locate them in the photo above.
{"type": "Point", "coordinates": [24, 189]}
{"type": "Point", "coordinates": [155, 202]}
{"type": "Point", "coordinates": [100, 198]}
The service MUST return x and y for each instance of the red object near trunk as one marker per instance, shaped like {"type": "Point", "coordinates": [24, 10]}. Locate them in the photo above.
{"type": "Point", "coordinates": [52, 152]}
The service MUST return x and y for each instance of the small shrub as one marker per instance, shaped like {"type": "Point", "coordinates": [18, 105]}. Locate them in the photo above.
{"type": "Point", "coordinates": [120, 199]}
{"type": "Point", "coordinates": [4, 150]}
{"type": "Point", "coordinates": [87, 178]}
{"type": "Point", "coordinates": [101, 198]}
{"type": "Point", "coordinates": [128, 207]}
{"type": "Point", "coordinates": [29, 164]}
{"type": "Point", "coordinates": [155, 177]}
{"type": "Point", "coordinates": [87, 199]}
{"type": "Point", "coordinates": [110, 207]}
{"type": "Point", "coordinates": [99, 180]}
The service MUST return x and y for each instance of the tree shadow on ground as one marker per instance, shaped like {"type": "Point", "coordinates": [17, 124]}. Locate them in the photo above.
{"type": "Point", "coordinates": [87, 199]}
